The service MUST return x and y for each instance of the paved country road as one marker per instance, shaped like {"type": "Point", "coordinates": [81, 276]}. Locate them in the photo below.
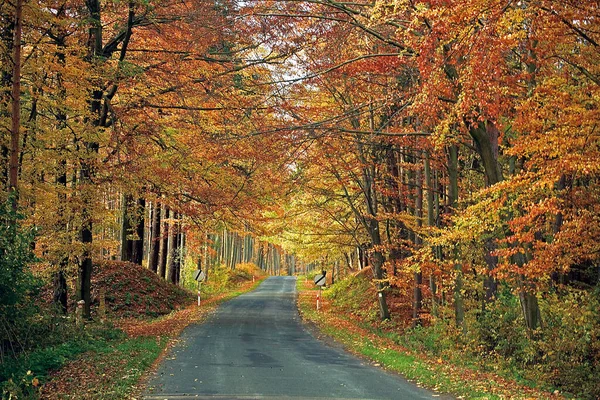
{"type": "Point", "coordinates": [255, 347]}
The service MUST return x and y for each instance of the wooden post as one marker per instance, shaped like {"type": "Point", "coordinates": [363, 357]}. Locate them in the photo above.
{"type": "Point", "coordinates": [79, 312]}
{"type": "Point", "coordinates": [102, 306]}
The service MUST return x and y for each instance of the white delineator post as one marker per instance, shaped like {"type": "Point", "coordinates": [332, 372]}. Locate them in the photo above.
{"type": "Point", "coordinates": [199, 276]}
{"type": "Point", "coordinates": [319, 299]}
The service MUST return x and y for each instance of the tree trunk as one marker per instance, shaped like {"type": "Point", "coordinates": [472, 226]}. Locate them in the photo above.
{"type": "Point", "coordinates": [155, 237]}
{"type": "Point", "coordinates": [60, 284]}
{"type": "Point", "coordinates": [431, 223]}
{"type": "Point", "coordinates": [13, 164]}
{"type": "Point", "coordinates": [59, 280]}
{"type": "Point", "coordinates": [86, 173]}
{"type": "Point", "coordinates": [459, 308]}
{"type": "Point", "coordinates": [8, 32]}
{"type": "Point", "coordinates": [126, 218]}
{"type": "Point", "coordinates": [172, 249]}
{"type": "Point", "coordinates": [60, 290]}
{"type": "Point", "coordinates": [163, 242]}
{"type": "Point", "coordinates": [137, 245]}
{"type": "Point", "coordinates": [84, 275]}
{"type": "Point", "coordinates": [485, 136]}
{"type": "Point", "coordinates": [418, 293]}
{"type": "Point", "coordinates": [531, 310]}
{"type": "Point", "coordinates": [395, 207]}
{"type": "Point", "coordinates": [372, 225]}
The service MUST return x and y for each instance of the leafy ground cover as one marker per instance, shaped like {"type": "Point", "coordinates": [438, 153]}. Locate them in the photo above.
{"type": "Point", "coordinates": [107, 360]}
{"type": "Point", "coordinates": [130, 291]}
{"type": "Point", "coordinates": [116, 374]}
{"type": "Point", "coordinates": [465, 380]}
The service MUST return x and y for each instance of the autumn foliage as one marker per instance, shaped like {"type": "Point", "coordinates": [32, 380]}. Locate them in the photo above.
{"type": "Point", "coordinates": [451, 146]}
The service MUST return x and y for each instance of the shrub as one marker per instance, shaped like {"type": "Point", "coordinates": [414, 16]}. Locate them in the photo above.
{"type": "Point", "coordinates": [570, 341]}
{"type": "Point", "coordinates": [500, 331]}
{"type": "Point", "coordinates": [352, 295]}
{"type": "Point", "coordinates": [17, 284]}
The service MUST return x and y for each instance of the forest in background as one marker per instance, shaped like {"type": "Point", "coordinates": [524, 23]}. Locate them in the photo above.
{"type": "Point", "coordinates": [451, 147]}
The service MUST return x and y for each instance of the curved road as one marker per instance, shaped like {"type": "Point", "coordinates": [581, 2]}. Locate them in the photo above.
{"type": "Point", "coordinates": [255, 347]}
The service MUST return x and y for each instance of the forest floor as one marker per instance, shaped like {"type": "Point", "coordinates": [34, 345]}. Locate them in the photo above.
{"type": "Point", "coordinates": [116, 369]}
{"type": "Point", "coordinates": [373, 343]}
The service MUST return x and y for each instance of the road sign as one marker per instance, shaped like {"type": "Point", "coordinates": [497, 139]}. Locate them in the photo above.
{"type": "Point", "coordinates": [320, 280]}
{"type": "Point", "coordinates": [199, 275]}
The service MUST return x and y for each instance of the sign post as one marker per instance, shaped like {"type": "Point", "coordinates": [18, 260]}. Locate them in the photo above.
{"type": "Point", "coordinates": [199, 276]}
{"type": "Point", "coordinates": [319, 299]}
{"type": "Point", "coordinates": [320, 282]}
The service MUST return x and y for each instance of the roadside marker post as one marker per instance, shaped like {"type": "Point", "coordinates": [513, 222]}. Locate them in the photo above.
{"type": "Point", "coordinates": [320, 282]}
{"type": "Point", "coordinates": [319, 299]}
{"type": "Point", "coordinates": [199, 276]}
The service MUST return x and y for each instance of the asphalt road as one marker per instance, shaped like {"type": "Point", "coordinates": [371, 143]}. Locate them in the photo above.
{"type": "Point", "coordinates": [255, 347]}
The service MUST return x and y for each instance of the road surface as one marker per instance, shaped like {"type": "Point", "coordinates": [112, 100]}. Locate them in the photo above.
{"type": "Point", "coordinates": [255, 347]}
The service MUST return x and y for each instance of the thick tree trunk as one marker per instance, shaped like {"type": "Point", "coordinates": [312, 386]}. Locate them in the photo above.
{"type": "Point", "coordinates": [7, 32]}
{"type": "Point", "coordinates": [378, 261]}
{"type": "Point", "coordinates": [372, 225]}
{"type": "Point", "coordinates": [137, 245]}
{"type": "Point", "coordinates": [86, 173]}
{"type": "Point", "coordinates": [13, 164]}
{"type": "Point", "coordinates": [84, 276]}
{"type": "Point", "coordinates": [395, 207]}
{"type": "Point", "coordinates": [59, 280]}
{"type": "Point", "coordinates": [132, 230]}
{"type": "Point", "coordinates": [485, 136]}
{"type": "Point", "coordinates": [126, 217]}
{"type": "Point", "coordinates": [163, 242]}
{"type": "Point", "coordinates": [60, 290]}
{"type": "Point", "coordinates": [531, 310]}
{"type": "Point", "coordinates": [172, 251]}
{"type": "Point", "coordinates": [155, 237]}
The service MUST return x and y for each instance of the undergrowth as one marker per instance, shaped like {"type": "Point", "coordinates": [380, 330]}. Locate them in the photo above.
{"type": "Point", "coordinates": [492, 353]}
{"type": "Point", "coordinates": [101, 360]}
{"type": "Point", "coordinates": [21, 376]}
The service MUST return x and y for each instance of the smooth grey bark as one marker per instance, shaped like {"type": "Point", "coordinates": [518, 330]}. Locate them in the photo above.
{"type": "Point", "coordinates": [163, 242]}
{"type": "Point", "coordinates": [155, 237]}
{"type": "Point", "coordinates": [172, 247]}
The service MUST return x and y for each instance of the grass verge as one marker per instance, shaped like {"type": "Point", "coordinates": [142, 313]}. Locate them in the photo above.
{"type": "Point", "coordinates": [436, 374]}
{"type": "Point", "coordinates": [114, 369]}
